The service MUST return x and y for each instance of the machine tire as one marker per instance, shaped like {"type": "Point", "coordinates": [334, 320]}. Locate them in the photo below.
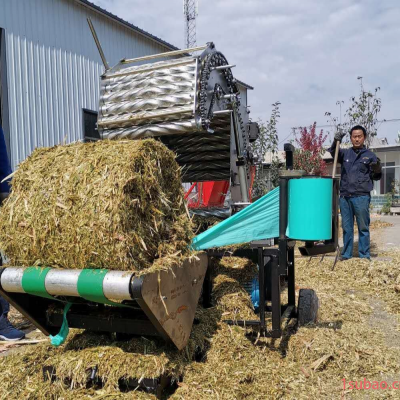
{"type": "Point", "coordinates": [307, 311]}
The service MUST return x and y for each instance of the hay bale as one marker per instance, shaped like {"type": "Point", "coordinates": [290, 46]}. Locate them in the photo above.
{"type": "Point", "coordinates": [113, 204]}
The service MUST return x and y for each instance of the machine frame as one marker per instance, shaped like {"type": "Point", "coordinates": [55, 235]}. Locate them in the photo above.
{"type": "Point", "coordinates": [275, 263]}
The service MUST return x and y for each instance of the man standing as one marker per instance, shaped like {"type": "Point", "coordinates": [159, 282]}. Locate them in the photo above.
{"type": "Point", "coordinates": [360, 167]}
{"type": "Point", "coordinates": [7, 331]}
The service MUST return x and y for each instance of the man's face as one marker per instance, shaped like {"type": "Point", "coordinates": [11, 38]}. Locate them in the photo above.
{"type": "Point", "coordinates": [357, 138]}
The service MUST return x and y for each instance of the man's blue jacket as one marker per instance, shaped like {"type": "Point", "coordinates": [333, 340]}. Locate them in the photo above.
{"type": "Point", "coordinates": [5, 168]}
{"type": "Point", "coordinates": [357, 176]}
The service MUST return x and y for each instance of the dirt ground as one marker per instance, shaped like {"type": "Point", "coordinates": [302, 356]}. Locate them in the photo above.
{"type": "Point", "coordinates": [388, 238]}
{"type": "Point", "coordinates": [357, 336]}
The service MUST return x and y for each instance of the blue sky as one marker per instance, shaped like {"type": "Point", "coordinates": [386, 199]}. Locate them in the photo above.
{"type": "Point", "coordinates": [306, 54]}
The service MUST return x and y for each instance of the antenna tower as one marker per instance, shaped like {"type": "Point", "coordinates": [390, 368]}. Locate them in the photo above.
{"type": "Point", "coordinates": [190, 11]}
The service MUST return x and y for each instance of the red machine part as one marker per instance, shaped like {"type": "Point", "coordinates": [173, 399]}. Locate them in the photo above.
{"type": "Point", "coordinates": [207, 194]}
{"type": "Point", "coordinates": [212, 193]}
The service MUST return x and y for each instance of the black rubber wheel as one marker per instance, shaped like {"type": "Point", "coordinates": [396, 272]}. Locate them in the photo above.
{"type": "Point", "coordinates": [307, 311]}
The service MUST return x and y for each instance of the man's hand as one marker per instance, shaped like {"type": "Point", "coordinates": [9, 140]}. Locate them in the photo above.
{"type": "Point", "coordinates": [376, 166]}
{"type": "Point", "coordinates": [339, 135]}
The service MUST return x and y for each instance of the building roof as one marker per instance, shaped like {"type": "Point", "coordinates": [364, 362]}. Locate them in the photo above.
{"type": "Point", "coordinates": [378, 142]}
{"type": "Point", "coordinates": [389, 147]}
{"type": "Point", "coordinates": [140, 31]}
{"type": "Point", "coordinates": [127, 24]}
{"type": "Point", "coordinates": [244, 84]}
{"type": "Point", "coordinates": [282, 156]}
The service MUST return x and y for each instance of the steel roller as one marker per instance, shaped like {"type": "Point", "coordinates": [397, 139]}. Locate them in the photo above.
{"type": "Point", "coordinates": [161, 129]}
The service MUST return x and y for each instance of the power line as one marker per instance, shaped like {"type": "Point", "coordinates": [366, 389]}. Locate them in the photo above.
{"type": "Point", "coordinates": [288, 136]}
{"type": "Point", "coordinates": [382, 121]}
{"type": "Point", "coordinates": [332, 125]}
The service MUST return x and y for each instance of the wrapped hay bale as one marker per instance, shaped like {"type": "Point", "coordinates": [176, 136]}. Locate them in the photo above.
{"type": "Point", "coordinates": [110, 204]}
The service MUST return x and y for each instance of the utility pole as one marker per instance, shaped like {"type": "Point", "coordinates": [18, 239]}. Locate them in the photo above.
{"type": "Point", "coordinates": [190, 11]}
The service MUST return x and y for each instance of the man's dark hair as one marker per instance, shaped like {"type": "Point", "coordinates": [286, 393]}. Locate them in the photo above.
{"type": "Point", "coordinates": [358, 128]}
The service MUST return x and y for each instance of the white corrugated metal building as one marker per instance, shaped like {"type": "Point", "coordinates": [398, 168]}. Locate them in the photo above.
{"type": "Point", "coordinates": [50, 68]}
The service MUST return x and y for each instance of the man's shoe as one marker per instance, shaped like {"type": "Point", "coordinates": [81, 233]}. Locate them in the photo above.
{"type": "Point", "coordinates": [341, 258]}
{"type": "Point", "coordinates": [8, 332]}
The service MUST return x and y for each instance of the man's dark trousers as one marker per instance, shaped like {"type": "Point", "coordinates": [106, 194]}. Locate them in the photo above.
{"type": "Point", "coordinates": [5, 170]}
{"type": "Point", "coordinates": [358, 207]}
{"type": "Point", "coordinates": [4, 307]}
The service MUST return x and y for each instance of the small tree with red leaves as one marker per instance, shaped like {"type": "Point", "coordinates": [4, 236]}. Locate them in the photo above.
{"type": "Point", "coordinates": [309, 155]}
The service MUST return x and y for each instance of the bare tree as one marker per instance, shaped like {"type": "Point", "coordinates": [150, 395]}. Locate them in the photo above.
{"type": "Point", "coordinates": [363, 110]}
{"type": "Point", "coordinates": [267, 142]}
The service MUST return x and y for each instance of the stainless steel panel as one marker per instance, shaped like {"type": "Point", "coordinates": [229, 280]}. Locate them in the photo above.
{"type": "Point", "coordinates": [168, 54]}
{"type": "Point", "coordinates": [152, 79]}
{"type": "Point", "coordinates": [147, 68]}
{"type": "Point", "coordinates": [144, 117]}
{"type": "Point", "coordinates": [166, 94]}
{"type": "Point", "coordinates": [156, 103]}
{"type": "Point", "coordinates": [147, 92]}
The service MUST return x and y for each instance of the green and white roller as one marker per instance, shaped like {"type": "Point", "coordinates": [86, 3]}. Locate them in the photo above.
{"type": "Point", "coordinates": [93, 284]}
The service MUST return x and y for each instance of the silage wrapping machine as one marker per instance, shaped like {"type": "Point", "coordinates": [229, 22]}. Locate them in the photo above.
{"type": "Point", "coordinates": [193, 105]}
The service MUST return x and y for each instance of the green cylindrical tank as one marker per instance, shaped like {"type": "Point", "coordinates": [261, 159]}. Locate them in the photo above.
{"type": "Point", "coordinates": [310, 209]}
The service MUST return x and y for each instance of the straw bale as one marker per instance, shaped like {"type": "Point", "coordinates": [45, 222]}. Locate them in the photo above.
{"type": "Point", "coordinates": [114, 204]}
{"type": "Point", "coordinates": [202, 223]}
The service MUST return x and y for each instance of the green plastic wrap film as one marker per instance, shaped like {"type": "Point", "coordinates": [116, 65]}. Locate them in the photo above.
{"type": "Point", "coordinates": [257, 221]}
{"type": "Point", "coordinates": [310, 209]}
{"type": "Point", "coordinates": [90, 286]}
{"type": "Point", "coordinates": [61, 336]}
{"type": "Point", "coordinates": [33, 281]}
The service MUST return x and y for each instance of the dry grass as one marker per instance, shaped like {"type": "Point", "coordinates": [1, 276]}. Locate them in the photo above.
{"type": "Point", "coordinates": [376, 224]}
{"type": "Point", "coordinates": [111, 204]}
{"type": "Point", "coordinates": [345, 343]}
{"type": "Point", "coordinates": [138, 358]}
